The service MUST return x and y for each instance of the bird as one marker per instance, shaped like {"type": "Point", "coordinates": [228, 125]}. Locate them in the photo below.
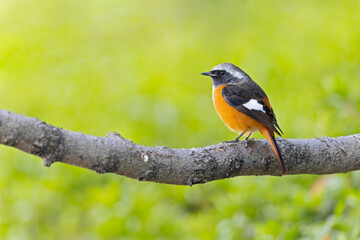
{"type": "Point", "coordinates": [243, 106]}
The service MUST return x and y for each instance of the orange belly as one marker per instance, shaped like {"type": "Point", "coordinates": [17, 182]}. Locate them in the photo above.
{"type": "Point", "coordinates": [235, 120]}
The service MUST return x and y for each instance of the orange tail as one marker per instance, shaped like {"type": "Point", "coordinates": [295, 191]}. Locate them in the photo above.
{"type": "Point", "coordinates": [269, 135]}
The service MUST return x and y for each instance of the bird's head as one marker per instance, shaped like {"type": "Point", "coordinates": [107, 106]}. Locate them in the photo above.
{"type": "Point", "coordinates": [226, 73]}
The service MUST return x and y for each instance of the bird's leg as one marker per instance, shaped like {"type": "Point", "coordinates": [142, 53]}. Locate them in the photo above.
{"type": "Point", "coordinates": [237, 139]}
{"type": "Point", "coordinates": [247, 137]}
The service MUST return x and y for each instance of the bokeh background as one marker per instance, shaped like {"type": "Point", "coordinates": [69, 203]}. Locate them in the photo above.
{"type": "Point", "coordinates": [134, 67]}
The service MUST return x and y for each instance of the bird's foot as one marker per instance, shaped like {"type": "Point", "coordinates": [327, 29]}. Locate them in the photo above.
{"type": "Point", "coordinates": [232, 141]}
{"type": "Point", "coordinates": [249, 142]}
{"type": "Point", "coordinates": [251, 139]}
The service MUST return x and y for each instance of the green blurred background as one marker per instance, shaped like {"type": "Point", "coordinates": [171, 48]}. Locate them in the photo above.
{"type": "Point", "coordinates": [134, 67]}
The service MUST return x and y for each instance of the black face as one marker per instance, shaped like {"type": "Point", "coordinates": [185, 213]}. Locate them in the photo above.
{"type": "Point", "coordinates": [220, 77]}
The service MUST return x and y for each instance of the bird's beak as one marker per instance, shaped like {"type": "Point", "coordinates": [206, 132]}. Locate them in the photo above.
{"type": "Point", "coordinates": [208, 74]}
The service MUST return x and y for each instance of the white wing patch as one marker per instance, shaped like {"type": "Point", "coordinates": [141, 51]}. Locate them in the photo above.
{"type": "Point", "coordinates": [253, 104]}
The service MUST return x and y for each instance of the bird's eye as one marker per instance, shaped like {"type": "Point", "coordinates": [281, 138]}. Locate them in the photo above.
{"type": "Point", "coordinates": [222, 72]}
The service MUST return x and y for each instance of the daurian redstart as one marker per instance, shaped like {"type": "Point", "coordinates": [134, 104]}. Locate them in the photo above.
{"type": "Point", "coordinates": [243, 105]}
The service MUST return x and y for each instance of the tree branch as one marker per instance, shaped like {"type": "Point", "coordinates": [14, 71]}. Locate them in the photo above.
{"type": "Point", "coordinates": [115, 154]}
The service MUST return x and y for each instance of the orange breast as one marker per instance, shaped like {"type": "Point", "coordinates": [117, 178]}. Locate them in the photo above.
{"type": "Point", "coordinates": [234, 119]}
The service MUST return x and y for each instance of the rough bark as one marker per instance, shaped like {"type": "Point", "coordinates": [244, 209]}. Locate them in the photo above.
{"type": "Point", "coordinates": [115, 154]}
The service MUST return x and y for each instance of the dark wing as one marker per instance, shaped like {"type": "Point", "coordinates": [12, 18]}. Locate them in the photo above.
{"type": "Point", "coordinates": [250, 99]}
